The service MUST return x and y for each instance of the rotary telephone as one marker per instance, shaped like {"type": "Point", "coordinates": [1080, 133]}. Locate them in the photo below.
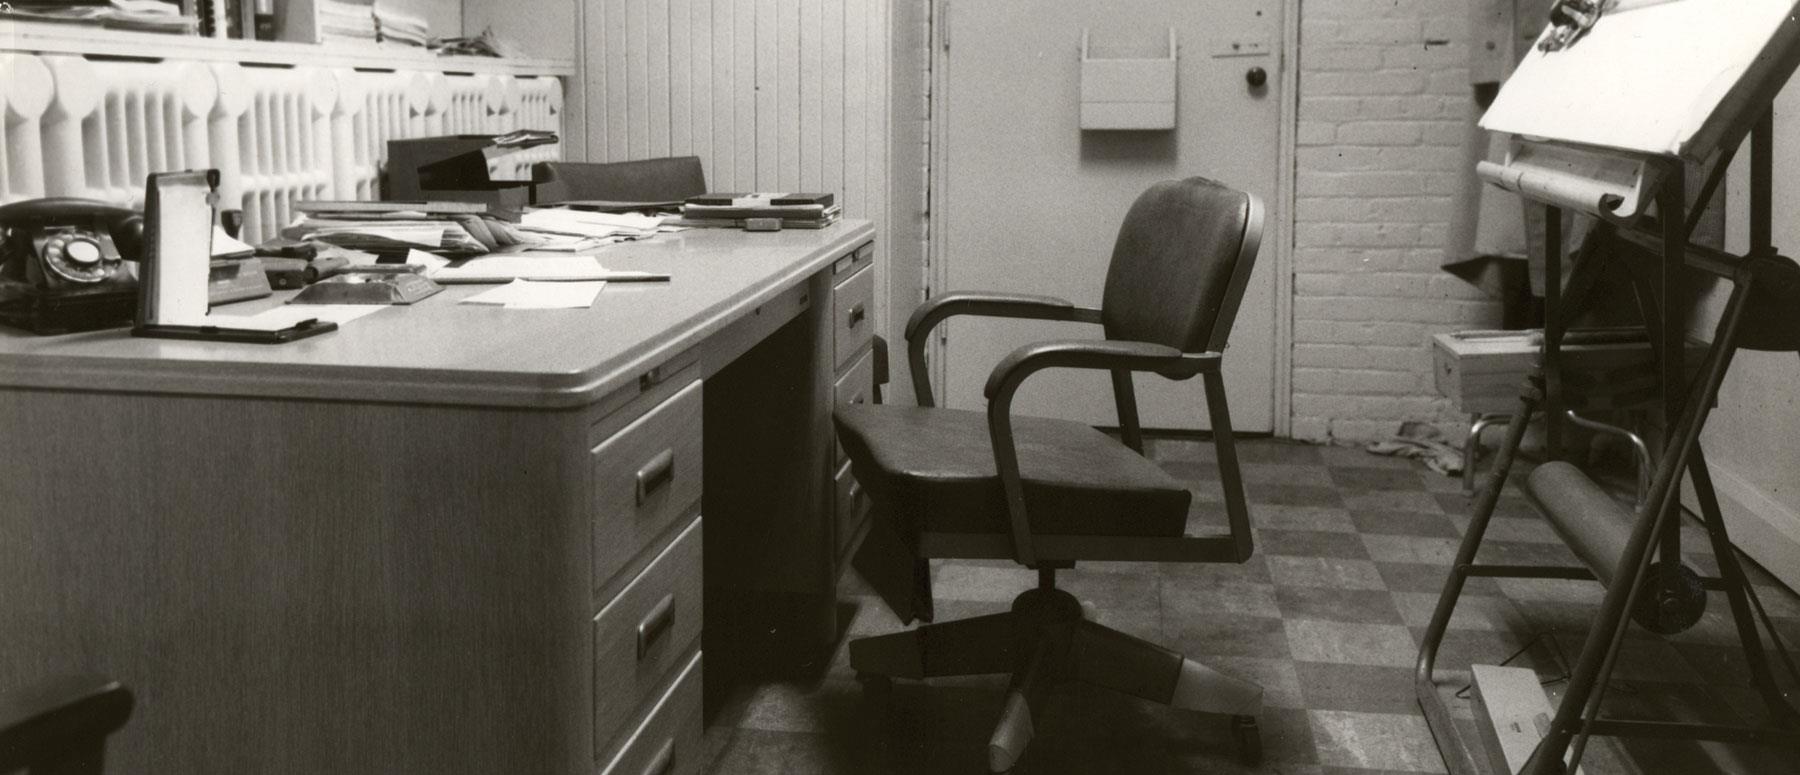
{"type": "Point", "coordinates": [63, 264]}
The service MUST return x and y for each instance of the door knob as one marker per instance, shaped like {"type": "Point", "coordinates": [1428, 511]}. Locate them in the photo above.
{"type": "Point", "coordinates": [1256, 77]}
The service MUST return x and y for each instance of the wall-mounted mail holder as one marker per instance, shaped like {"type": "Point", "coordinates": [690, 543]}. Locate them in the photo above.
{"type": "Point", "coordinates": [1129, 94]}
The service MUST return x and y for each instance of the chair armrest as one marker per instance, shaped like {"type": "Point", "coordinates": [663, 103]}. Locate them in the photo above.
{"type": "Point", "coordinates": [1113, 356]}
{"type": "Point", "coordinates": [1095, 354]}
{"type": "Point", "coordinates": [982, 304]}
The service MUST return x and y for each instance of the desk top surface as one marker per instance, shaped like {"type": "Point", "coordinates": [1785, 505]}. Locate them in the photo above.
{"type": "Point", "coordinates": [440, 351]}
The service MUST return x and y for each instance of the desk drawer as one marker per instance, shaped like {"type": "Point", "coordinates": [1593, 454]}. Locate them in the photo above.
{"type": "Point", "coordinates": [853, 310]}
{"type": "Point", "coordinates": [645, 632]}
{"type": "Point", "coordinates": [854, 387]}
{"type": "Point", "coordinates": [849, 506]}
{"type": "Point", "coordinates": [670, 741]}
{"type": "Point", "coordinates": [644, 477]}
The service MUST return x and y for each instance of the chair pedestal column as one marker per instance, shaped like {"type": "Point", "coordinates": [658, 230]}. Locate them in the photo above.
{"type": "Point", "coordinates": [1045, 640]}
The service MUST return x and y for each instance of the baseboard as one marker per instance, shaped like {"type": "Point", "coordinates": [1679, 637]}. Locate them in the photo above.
{"type": "Point", "coordinates": [1766, 530]}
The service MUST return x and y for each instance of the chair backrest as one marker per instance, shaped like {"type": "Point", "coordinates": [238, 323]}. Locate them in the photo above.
{"type": "Point", "coordinates": [669, 179]}
{"type": "Point", "coordinates": [1179, 268]}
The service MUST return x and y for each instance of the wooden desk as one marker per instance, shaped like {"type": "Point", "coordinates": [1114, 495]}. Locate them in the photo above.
{"type": "Point", "coordinates": [446, 538]}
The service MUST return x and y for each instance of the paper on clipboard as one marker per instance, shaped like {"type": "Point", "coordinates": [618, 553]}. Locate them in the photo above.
{"type": "Point", "coordinates": [288, 316]}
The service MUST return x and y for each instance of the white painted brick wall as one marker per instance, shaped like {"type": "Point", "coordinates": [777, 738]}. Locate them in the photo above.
{"type": "Point", "coordinates": [1383, 93]}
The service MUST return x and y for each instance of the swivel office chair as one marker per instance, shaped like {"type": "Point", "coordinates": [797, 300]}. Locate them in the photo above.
{"type": "Point", "coordinates": [60, 728]}
{"type": "Point", "coordinates": [1046, 493]}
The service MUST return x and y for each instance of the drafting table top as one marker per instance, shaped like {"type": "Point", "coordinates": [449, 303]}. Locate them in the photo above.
{"type": "Point", "coordinates": [1656, 77]}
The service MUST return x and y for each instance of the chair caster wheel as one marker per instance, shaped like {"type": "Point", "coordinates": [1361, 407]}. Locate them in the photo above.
{"type": "Point", "coordinates": [1249, 740]}
{"type": "Point", "coordinates": [875, 687]}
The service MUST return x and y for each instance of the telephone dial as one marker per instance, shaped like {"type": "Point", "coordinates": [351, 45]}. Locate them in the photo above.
{"type": "Point", "coordinates": [67, 264]}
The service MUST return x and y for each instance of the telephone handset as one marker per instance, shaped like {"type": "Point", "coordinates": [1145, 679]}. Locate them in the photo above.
{"type": "Point", "coordinates": [63, 263]}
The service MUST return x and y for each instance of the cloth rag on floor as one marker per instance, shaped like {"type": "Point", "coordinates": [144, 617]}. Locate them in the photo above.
{"type": "Point", "coordinates": [1422, 441]}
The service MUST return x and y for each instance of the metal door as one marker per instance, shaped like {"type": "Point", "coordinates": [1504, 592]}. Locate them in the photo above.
{"type": "Point", "coordinates": [1031, 203]}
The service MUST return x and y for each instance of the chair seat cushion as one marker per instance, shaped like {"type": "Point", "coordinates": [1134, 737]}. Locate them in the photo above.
{"type": "Point", "coordinates": [934, 470]}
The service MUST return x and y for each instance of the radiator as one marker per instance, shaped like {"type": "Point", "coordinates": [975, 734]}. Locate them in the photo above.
{"type": "Point", "coordinates": [70, 126]}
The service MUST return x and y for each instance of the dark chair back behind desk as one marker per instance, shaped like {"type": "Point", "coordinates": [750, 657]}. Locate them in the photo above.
{"type": "Point", "coordinates": [671, 179]}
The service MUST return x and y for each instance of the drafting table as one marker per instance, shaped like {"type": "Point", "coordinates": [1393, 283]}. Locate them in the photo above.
{"type": "Point", "coordinates": [1609, 127]}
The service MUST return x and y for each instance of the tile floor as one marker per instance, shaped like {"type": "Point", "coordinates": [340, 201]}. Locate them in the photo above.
{"type": "Point", "coordinates": [1352, 550]}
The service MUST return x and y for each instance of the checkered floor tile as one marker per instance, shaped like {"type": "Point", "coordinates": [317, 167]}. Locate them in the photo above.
{"type": "Point", "coordinates": [1352, 550]}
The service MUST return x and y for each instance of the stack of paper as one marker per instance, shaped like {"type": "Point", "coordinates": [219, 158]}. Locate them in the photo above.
{"type": "Point", "coordinates": [453, 230]}
{"type": "Point", "coordinates": [145, 15]}
{"type": "Point", "coordinates": [795, 211]}
{"type": "Point", "coordinates": [387, 236]}
{"type": "Point", "coordinates": [344, 20]}
{"type": "Point", "coordinates": [396, 26]}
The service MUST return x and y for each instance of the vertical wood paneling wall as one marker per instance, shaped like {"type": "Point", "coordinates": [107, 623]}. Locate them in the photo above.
{"type": "Point", "coordinates": [772, 95]}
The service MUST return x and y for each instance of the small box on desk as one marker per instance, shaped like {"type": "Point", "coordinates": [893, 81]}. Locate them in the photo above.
{"type": "Point", "coordinates": [455, 168]}
{"type": "Point", "coordinates": [1603, 368]}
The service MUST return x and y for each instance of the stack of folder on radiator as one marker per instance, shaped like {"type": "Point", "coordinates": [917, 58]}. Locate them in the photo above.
{"type": "Point", "coordinates": [794, 211]}
{"type": "Point", "coordinates": [345, 20]}
{"type": "Point", "coordinates": [396, 26]}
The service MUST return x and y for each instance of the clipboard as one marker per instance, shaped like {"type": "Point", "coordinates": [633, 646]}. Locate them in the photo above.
{"type": "Point", "coordinates": [177, 257]}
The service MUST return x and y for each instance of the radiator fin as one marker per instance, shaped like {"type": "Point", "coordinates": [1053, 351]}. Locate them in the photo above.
{"type": "Point", "coordinates": [74, 127]}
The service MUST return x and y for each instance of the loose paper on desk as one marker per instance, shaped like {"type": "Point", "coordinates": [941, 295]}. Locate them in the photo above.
{"type": "Point", "coordinates": [504, 268]}
{"type": "Point", "coordinates": [431, 261]}
{"type": "Point", "coordinates": [525, 294]}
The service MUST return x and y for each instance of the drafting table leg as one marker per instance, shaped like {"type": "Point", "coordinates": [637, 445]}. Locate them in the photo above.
{"type": "Point", "coordinates": [1762, 159]}
{"type": "Point", "coordinates": [1672, 286]}
{"type": "Point", "coordinates": [1732, 573]}
{"type": "Point", "coordinates": [1580, 703]}
{"type": "Point", "coordinates": [1553, 332]}
{"type": "Point", "coordinates": [1437, 715]}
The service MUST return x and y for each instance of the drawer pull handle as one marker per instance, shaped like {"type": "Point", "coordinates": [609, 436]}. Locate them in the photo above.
{"type": "Point", "coordinates": [855, 491]}
{"type": "Point", "coordinates": [651, 378]}
{"type": "Point", "coordinates": [857, 313]}
{"type": "Point", "coordinates": [859, 399]}
{"type": "Point", "coordinates": [664, 761]}
{"type": "Point", "coordinates": [655, 623]}
{"type": "Point", "coordinates": [655, 474]}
